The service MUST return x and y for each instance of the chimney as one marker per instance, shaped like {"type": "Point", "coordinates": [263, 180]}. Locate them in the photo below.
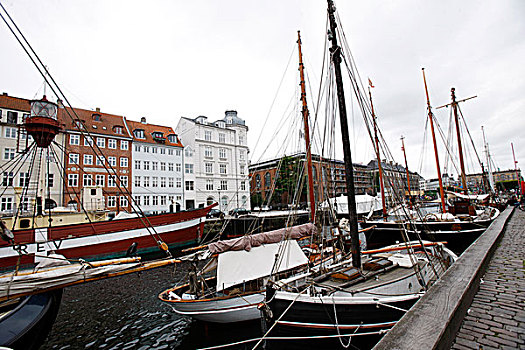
{"type": "Point", "coordinates": [97, 109]}
{"type": "Point", "coordinates": [4, 94]}
{"type": "Point", "coordinates": [143, 120]}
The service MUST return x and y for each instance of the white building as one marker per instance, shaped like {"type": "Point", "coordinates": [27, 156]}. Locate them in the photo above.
{"type": "Point", "coordinates": [157, 184]}
{"type": "Point", "coordinates": [216, 161]}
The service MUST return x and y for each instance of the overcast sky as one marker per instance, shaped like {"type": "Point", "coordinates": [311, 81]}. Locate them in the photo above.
{"type": "Point", "coordinates": [166, 59]}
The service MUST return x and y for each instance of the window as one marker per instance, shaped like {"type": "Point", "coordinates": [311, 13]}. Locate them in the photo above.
{"type": "Point", "coordinates": [267, 179]}
{"type": "Point", "coordinates": [153, 149]}
{"type": "Point", "coordinates": [139, 133]}
{"type": "Point", "coordinates": [137, 200]}
{"type": "Point", "coordinates": [146, 200]}
{"type": "Point", "coordinates": [88, 159]}
{"type": "Point", "coordinates": [10, 133]}
{"type": "Point", "coordinates": [154, 166]}
{"type": "Point", "coordinates": [118, 130]}
{"type": "Point", "coordinates": [170, 181]}
{"type": "Point", "coordinates": [189, 185]}
{"type": "Point", "coordinates": [146, 165]}
{"type": "Point", "coordinates": [258, 181]}
{"type": "Point", "coordinates": [243, 169]}
{"type": "Point", "coordinates": [154, 181]}
{"type": "Point", "coordinates": [162, 150]}
{"type": "Point", "coordinates": [124, 145]}
{"type": "Point", "coordinates": [178, 153]}
{"type": "Point", "coordinates": [100, 180]}
{"type": "Point", "coordinates": [170, 166]}
{"type": "Point", "coordinates": [112, 181]}
{"type": "Point", "coordinates": [101, 142]}
{"type": "Point", "coordinates": [188, 152]}
{"type": "Point", "coordinates": [224, 202]}
{"type": "Point", "coordinates": [243, 186]}
{"type": "Point", "coordinates": [112, 143]}
{"type": "Point", "coordinates": [124, 181]}
{"type": "Point", "coordinates": [162, 200]}
{"type": "Point", "coordinates": [137, 165]}
{"type": "Point", "coordinates": [207, 135]}
{"type": "Point", "coordinates": [112, 201]}
{"type": "Point", "coordinates": [155, 200]}
{"type": "Point", "coordinates": [172, 138]}
{"type": "Point", "coordinates": [188, 168]}
{"type": "Point", "coordinates": [162, 165]}
{"type": "Point", "coordinates": [123, 201]}
{"type": "Point", "coordinates": [242, 154]}
{"type": "Point", "coordinates": [88, 141]}
{"type": "Point", "coordinates": [222, 169]}
{"type": "Point", "coordinates": [162, 182]}
{"type": "Point", "coordinates": [74, 140]}
{"type": "Point", "coordinates": [9, 153]}
{"type": "Point", "coordinates": [146, 149]}
{"type": "Point", "coordinates": [170, 152]}
{"type": "Point", "coordinates": [178, 167]}
{"type": "Point", "coordinates": [179, 182]}
{"type": "Point", "coordinates": [146, 181]}
{"type": "Point", "coordinates": [73, 158]}
{"type": "Point", "coordinates": [50, 180]}
{"type": "Point", "coordinates": [72, 180]}
{"type": "Point", "coordinates": [12, 117]}
{"type": "Point", "coordinates": [208, 152]}
{"type": "Point", "coordinates": [111, 160]}
{"type": "Point", "coordinates": [209, 185]}
{"type": "Point", "coordinates": [123, 162]}
{"type": "Point", "coordinates": [222, 153]}
{"type": "Point", "coordinates": [87, 180]}
{"type": "Point", "coordinates": [137, 181]}
{"type": "Point", "coordinates": [137, 148]}
{"type": "Point", "coordinates": [241, 140]}
{"type": "Point", "coordinates": [23, 179]}
{"type": "Point", "coordinates": [222, 137]}
{"type": "Point", "coordinates": [7, 204]}
{"type": "Point", "coordinates": [224, 185]}
{"type": "Point", "coordinates": [209, 168]}
{"type": "Point", "coordinates": [7, 179]}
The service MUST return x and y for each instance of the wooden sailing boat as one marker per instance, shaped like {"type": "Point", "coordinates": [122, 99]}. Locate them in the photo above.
{"type": "Point", "coordinates": [232, 284]}
{"type": "Point", "coordinates": [367, 293]}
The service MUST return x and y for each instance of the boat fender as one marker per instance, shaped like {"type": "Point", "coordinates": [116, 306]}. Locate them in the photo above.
{"type": "Point", "coordinates": [266, 312]}
{"type": "Point", "coordinates": [132, 250]}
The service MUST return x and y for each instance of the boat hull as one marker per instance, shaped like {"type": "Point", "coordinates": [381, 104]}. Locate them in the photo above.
{"type": "Point", "coordinates": [29, 323]}
{"type": "Point", "coordinates": [106, 239]}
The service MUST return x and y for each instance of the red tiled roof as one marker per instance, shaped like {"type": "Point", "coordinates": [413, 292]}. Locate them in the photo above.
{"type": "Point", "coordinates": [15, 103]}
{"type": "Point", "coordinates": [106, 125]}
{"type": "Point", "coordinates": [151, 128]}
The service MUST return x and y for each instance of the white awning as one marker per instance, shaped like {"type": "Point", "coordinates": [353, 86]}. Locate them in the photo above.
{"type": "Point", "coordinates": [236, 267]}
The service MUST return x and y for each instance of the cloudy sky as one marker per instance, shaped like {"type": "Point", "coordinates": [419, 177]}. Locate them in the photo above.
{"type": "Point", "coordinates": [167, 59]}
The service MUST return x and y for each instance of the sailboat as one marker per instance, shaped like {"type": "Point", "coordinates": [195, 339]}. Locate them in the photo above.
{"type": "Point", "coordinates": [363, 294]}
{"type": "Point", "coordinates": [230, 287]}
{"type": "Point", "coordinates": [459, 223]}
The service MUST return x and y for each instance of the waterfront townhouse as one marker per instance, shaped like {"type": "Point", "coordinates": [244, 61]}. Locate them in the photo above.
{"type": "Point", "coordinates": [97, 164]}
{"type": "Point", "coordinates": [215, 161]}
{"type": "Point", "coordinates": [30, 176]}
{"type": "Point", "coordinates": [157, 168]}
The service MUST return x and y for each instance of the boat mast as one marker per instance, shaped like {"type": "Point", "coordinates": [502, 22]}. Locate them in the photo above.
{"type": "Point", "coordinates": [516, 168]}
{"type": "Point", "coordinates": [306, 133]}
{"type": "Point", "coordinates": [460, 147]}
{"type": "Point", "coordinates": [335, 50]}
{"type": "Point", "coordinates": [378, 155]}
{"type": "Point", "coordinates": [406, 168]}
{"type": "Point", "coordinates": [430, 117]}
{"type": "Point", "coordinates": [489, 169]}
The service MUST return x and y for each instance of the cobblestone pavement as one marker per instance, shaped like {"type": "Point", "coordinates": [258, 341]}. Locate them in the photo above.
{"type": "Point", "coordinates": [496, 318]}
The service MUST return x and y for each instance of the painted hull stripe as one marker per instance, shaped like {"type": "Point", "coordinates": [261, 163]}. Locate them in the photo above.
{"type": "Point", "coordinates": [333, 326]}
{"type": "Point", "coordinates": [218, 311]}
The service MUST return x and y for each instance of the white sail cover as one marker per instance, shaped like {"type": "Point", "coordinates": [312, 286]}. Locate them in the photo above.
{"type": "Point", "coordinates": [364, 204]}
{"type": "Point", "coordinates": [235, 267]}
{"type": "Point", "coordinates": [476, 197]}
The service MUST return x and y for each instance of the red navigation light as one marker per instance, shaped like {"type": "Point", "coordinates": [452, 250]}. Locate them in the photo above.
{"type": "Point", "coordinates": [42, 124]}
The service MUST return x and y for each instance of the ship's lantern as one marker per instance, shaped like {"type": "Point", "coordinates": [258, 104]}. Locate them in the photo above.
{"type": "Point", "coordinates": [42, 124]}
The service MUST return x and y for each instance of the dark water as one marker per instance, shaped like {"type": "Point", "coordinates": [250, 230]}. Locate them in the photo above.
{"type": "Point", "coordinates": [125, 313]}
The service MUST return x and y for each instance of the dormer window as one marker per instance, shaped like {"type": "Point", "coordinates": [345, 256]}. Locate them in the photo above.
{"type": "Point", "coordinates": [139, 133]}
{"type": "Point", "coordinates": [220, 124]}
{"type": "Point", "coordinates": [96, 117]}
{"type": "Point", "coordinates": [158, 136]}
{"type": "Point", "coordinates": [79, 124]}
{"type": "Point", "coordinates": [118, 130]}
{"type": "Point", "coordinates": [172, 138]}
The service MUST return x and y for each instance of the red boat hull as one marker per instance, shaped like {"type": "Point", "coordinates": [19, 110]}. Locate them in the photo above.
{"type": "Point", "coordinates": [97, 240]}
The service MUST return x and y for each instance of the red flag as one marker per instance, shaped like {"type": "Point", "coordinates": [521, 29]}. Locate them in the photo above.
{"type": "Point", "coordinates": [370, 83]}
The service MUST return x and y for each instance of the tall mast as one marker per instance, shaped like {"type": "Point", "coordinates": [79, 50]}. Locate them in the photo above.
{"type": "Point", "coordinates": [406, 168]}
{"type": "Point", "coordinates": [306, 133]}
{"type": "Point", "coordinates": [378, 156]}
{"type": "Point", "coordinates": [430, 117]}
{"type": "Point", "coordinates": [516, 168]}
{"type": "Point", "coordinates": [460, 148]}
{"type": "Point", "coordinates": [350, 191]}
{"type": "Point", "coordinates": [487, 155]}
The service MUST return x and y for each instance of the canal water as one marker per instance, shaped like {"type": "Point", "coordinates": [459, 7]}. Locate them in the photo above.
{"type": "Point", "coordinates": [125, 313]}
